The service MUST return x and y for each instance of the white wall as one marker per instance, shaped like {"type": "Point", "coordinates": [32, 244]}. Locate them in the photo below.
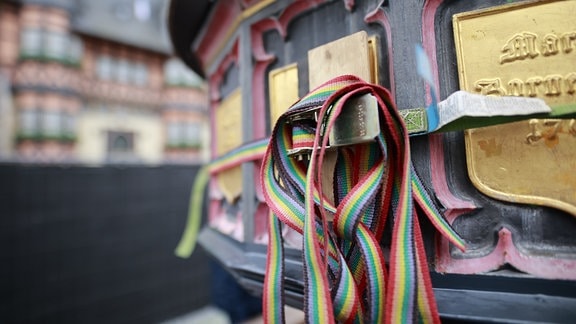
{"type": "Point", "coordinates": [93, 125]}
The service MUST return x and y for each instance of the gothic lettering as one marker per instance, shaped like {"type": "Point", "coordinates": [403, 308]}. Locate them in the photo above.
{"type": "Point", "coordinates": [527, 45]}
{"type": "Point", "coordinates": [519, 47]}
{"type": "Point", "coordinates": [531, 85]}
{"type": "Point", "coordinates": [569, 41]}
{"type": "Point", "coordinates": [550, 85]}
{"type": "Point", "coordinates": [489, 87]}
{"type": "Point", "coordinates": [550, 45]}
{"type": "Point", "coordinates": [515, 87]}
{"type": "Point", "coordinates": [571, 83]}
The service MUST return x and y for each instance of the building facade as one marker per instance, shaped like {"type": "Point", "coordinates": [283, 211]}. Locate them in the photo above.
{"type": "Point", "coordinates": [93, 83]}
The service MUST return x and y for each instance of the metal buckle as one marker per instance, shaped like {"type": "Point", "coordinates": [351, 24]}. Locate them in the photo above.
{"type": "Point", "coordinates": [307, 116]}
{"type": "Point", "coordinates": [357, 123]}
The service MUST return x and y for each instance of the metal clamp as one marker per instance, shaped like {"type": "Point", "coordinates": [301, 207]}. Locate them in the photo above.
{"type": "Point", "coordinates": [357, 123]}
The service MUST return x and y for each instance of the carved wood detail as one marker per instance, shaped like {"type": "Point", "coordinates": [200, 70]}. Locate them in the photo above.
{"type": "Point", "coordinates": [379, 16]}
{"type": "Point", "coordinates": [218, 30]}
{"type": "Point", "coordinates": [505, 251]}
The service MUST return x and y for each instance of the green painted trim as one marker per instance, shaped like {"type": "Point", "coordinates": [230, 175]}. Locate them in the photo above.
{"type": "Point", "coordinates": [38, 137]}
{"type": "Point", "coordinates": [45, 59]}
{"type": "Point", "coordinates": [182, 85]}
{"type": "Point", "coordinates": [193, 146]}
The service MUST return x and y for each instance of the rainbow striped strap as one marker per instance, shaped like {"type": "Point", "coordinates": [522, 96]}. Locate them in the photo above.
{"type": "Point", "coordinates": [248, 152]}
{"type": "Point", "coordinates": [188, 240]}
{"type": "Point", "coordinates": [252, 151]}
{"type": "Point", "coordinates": [273, 302]}
{"type": "Point", "coordinates": [346, 278]}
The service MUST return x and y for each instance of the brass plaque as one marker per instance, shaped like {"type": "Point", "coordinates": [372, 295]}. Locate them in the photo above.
{"type": "Point", "coordinates": [354, 54]}
{"type": "Point", "coordinates": [283, 85]}
{"type": "Point", "coordinates": [229, 136]}
{"type": "Point", "coordinates": [526, 49]}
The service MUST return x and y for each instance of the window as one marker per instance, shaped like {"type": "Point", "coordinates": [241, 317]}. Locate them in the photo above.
{"type": "Point", "coordinates": [173, 134]}
{"type": "Point", "coordinates": [28, 122]}
{"type": "Point", "coordinates": [140, 74]}
{"type": "Point", "coordinates": [184, 135]}
{"type": "Point", "coordinates": [55, 45]}
{"type": "Point", "coordinates": [75, 49]}
{"type": "Point", "coordinates": [192, 134]}
{"type": "Point", "coordinates": [178, 74]}
{"type": "Point", "coordinates": [51, 123]}
{"type": "Point", "coordinates": [31, 42]}
{"type": "Point", "coordinates": [120, 142]}
{"type": "Point", "coordinates": [171, 74]}
{"type": "Point", "coordinates": [68, 124]}
{"type": "Point", "coordinates": [121, 70]}
{"type": "Point", "coordinates": [104, 68]}
{"type": "Point", "coordinates": [38, 43]}
{"type": "Point", "coordinates": [40, 125]}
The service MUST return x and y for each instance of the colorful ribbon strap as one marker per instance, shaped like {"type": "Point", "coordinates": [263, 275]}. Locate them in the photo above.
{"type": "Point", "coordinates": [346, 277]}
{"type": "Point", "coordinates": [249, 152]}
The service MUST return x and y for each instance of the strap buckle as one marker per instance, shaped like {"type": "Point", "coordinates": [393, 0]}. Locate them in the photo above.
{"type": "Point", "coordinates": [357, 123]}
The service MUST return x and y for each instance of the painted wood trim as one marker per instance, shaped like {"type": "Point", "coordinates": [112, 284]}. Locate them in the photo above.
{"type": "Point", "coordinates": [379, 16]}
{"type": "Point", "coordinates": [505, 251]}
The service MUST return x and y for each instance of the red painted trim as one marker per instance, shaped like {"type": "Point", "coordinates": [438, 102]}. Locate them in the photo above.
{"type": "Point", "coordinates": [217, 218]}
{"type": "Point", "coordinates": [261, 224]}
{"type": "Point", "coordinates": [215, 197]}
{"type": "Point", "coordinates": [256, 179]}
{"type": "Point", "coordinates": [349, 4]}
{"type": "Point", "coordinates": [218, 75]}
{"type": "Point", "coordinates": [262, 61]}
{"type": "Point", "coordinates": [216, 30]}
{"type": "Point", "coordinates": [379, 16]}
{"type": "Point", "coordinates": [455, 205]}
{"type": "Point", "coordinates": [213, 106]}
{"type": "Point", "coordinates": [226, 15]}
{"type": "Point", "coordinates": [429, 40]}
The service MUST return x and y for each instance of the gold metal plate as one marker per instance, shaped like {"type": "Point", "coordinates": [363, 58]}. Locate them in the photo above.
{"type": "Point", "coordinates": [229, 136]}
{"type": "Point", "coordinates": [526, 49]}
{"type": "Point", "coordinates": [283, 85]}
{"type": "Point", "coordinates": [354, 54]}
